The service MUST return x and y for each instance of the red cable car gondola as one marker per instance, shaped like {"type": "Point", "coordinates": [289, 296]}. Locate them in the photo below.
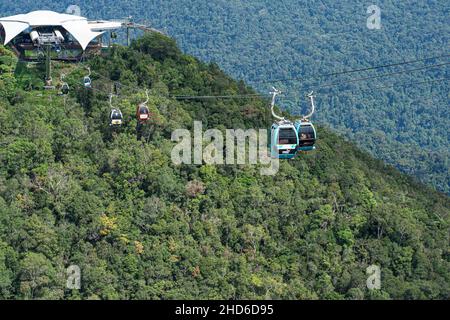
{"type": "Point", "coordinates": [142, 111]}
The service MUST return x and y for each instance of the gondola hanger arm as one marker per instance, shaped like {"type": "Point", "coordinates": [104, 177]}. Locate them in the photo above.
{"type": "Point", "coordinates": [313, 106]}
{"type": "Point", "coordinates": [274, 94]}
{"type": "Point", "coordinates": [110, 100]}
{"type": "Point", "coordinates": [146, 94]}
{"type": "Point", "coordinates": [311, 97]}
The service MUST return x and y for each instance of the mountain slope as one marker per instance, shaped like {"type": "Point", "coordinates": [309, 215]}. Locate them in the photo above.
{"type": "Point", "coordinates": [404, 124]}
{"type": "Point", "coordinates": [73, 192]}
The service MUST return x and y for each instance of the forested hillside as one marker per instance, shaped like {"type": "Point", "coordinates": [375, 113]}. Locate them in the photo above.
{"type": "Point", "coordinates": [75, 192]}
{"type": "Point", "coordinates": [402, 119]}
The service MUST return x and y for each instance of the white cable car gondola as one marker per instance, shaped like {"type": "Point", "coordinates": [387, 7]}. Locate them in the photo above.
{"type": "Point", "coordinates": [64, 86]}
{"type": "Point", "coordinates": [87, 82]}
{"type": "Point", "coordinates": [116, 116]}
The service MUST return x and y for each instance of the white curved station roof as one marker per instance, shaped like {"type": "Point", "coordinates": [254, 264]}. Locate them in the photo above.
{"type": "Point", "coordinates": [80, 28]}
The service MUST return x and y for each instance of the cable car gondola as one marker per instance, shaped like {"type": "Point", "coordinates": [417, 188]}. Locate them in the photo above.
{"type": "Point", "coordinates": [284, 135]}
{"type": "Point", "coordinates": [87, 82]}
{"type": "Point", "coordinates": [307, 134]}
{"type": "Point", "coordinates": [65, 88]}
{"type": "Point", "coordinates": [116, 116]}
{"type": "Point", "coordinates": [142, 111]}
{"type": "Point", "coordinates": [284, 140]}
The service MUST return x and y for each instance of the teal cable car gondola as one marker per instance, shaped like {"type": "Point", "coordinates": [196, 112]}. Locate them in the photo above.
{"type": "Point", "coordinates": [284, 135]}
{"type": "Point", "coordinates": [284, 140]}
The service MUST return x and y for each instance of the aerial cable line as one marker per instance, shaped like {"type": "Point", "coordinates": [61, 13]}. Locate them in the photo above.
{"type": "Point", "coordinates": [348, 94]}
{"type": "Point", "coordinates": [286, 96]}
{"type": "Point", "coordinates": [290, 96]}
{"type": "Point", "coordinates": [382, 75]}
{"type": "Point", "coordinates": [193, 97]}
{"type": "Point", "coordinates": [183, 97]}
{"type": "Point", "coordinates": [238, 96]}
{"type": "Point", "coordinates": [351, 71]}
{"type": "Point", "coordinates": [199, 97]}
{"type": "Point", "coordinates": [385, 86]}
{"type": "Point", "coordinates": [409, 84]}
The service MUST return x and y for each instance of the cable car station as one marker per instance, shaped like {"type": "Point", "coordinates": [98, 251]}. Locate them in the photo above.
{"type": "Point", "coordinates": [47, 35]}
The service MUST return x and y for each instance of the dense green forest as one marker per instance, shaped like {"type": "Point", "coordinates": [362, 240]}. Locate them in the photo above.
{"type": "Point", "coordinates": [75, 192]}
{"type": "Point", "coordinates": [404, 124]}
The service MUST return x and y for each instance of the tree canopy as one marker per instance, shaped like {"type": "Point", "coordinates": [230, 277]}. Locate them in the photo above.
{"type": "Point", "coordinates": [75, 192]}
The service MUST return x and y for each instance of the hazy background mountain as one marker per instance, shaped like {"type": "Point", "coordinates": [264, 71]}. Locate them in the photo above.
{"type": "Point", "coordinates": [405, 124]}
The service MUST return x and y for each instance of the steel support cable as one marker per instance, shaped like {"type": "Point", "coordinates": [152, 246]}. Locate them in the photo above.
{"type": "Point", "coordinates": [352, 70]}
{"type": "Point", "coordinates": [193, 97]}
